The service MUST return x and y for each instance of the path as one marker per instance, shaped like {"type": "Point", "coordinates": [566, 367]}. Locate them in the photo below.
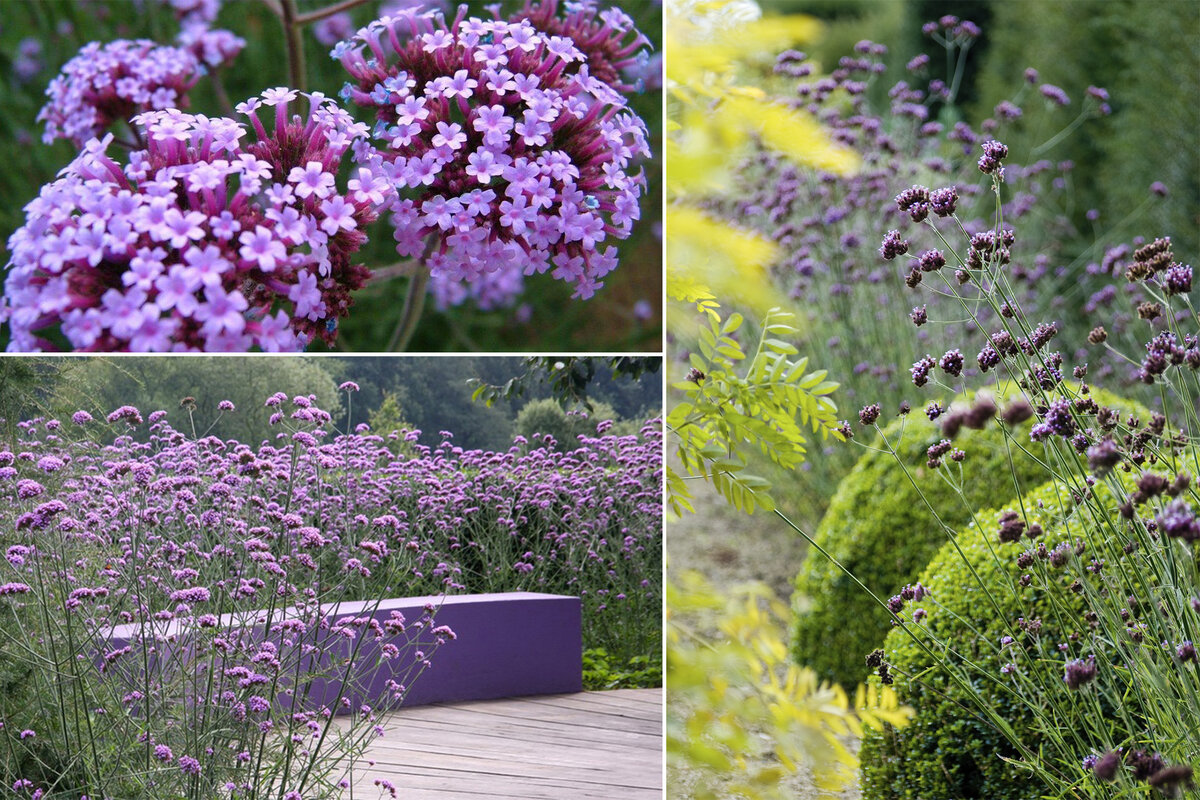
{"type": "Point", "coordinates": [585, 746]}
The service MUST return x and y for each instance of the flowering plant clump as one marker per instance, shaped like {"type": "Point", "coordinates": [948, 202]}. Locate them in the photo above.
{"type": "Point", "coordinates": [1112, 607]}
{"type": "Point", "coordinates": [164, 532]}
{"type": "Point", "coordinates": [840, 235]}
{"type": "Point", "coordinates": [510, 155]}
{"type": "Point", "coordinates": [202, 241]}
{"type": "Point", "coordinates": [106, 84]}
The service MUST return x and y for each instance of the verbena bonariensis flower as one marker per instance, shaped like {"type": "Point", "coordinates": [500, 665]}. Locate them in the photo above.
{"type": "Point", "coordinates": [204, 241]}
{"type": "Point", "coordinates": [109, 83]}
{"type": "Point", "coordinates": [510, 155]}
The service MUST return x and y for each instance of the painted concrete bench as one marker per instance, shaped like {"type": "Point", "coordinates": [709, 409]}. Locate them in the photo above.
{"type": "Point", "coordinates": [508, 644]}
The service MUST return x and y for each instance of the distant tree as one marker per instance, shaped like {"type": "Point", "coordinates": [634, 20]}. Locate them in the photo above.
{"type": "Point", "coordinates": [569, 377]}
{"type": "Point", "coordinates": [387, 419]}
{"type": "Point", "coordinates": [548, 417]}
{"type": "Point", "coordinates": [157, 383]}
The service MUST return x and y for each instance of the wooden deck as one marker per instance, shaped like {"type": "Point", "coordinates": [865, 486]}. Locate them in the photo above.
{"type": "Point", "coordinates": [585, 746]}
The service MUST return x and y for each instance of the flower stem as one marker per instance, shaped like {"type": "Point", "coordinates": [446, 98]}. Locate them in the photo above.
{"type": "Point", "coordinates": [295, 44]}
{"type": "Point", "coordinates": [328, 11]}
{"type": "Point", "coordinates": [414, 302]}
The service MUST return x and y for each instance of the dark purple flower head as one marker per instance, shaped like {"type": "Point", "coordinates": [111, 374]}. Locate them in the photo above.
{"type": "Point", "coordinates": [1178, 279]}
{"type": "Point", "coordinates": [203, 241]}
{"type": "Point", "coordinates": [914, 201]}
{"type": "Point", "coordinates": [931, 261]}
{"type": "Point", "coordinates": [1178, 520]}
{"type": "Point", "coordinates": [1103, 456]}
{"type": "Point", "coordinates": [1056, 421]}
{"type": "Point", "coordinates": [943, 201]}
{"type": "Point", "coordinates": [1080, 672]}
{"type": "Point", "coordinates": [920, 370]}
{"type": "Point", "coordinates": [511, 156]}
{"type": "Point", "coordinates": [1106, 766]}
{"type": "Point", "coordinates": [893, 245]}
{"type": "Point", "coordinates": [869, 414]}
{"type": "Point", "coordinates": [952, 363]}
{"type": "Point", "coordinates": [1170, 781]}
{"type": "Point", "coordinates": [993, 153]}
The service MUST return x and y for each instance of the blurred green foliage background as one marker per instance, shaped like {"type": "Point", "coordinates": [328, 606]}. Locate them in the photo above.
{"type": "Point", "coordinates": [38, 36]}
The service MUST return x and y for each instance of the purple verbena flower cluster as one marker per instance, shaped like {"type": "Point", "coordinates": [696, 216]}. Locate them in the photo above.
{"type": "Point", "coordinates": [204, 240]}
{"type": "Point", "coordinates": [166, 533]}
{"type": "Point", "coordinates": [105, 84]}
{"type": "Point", "coordinates": [510, 154]}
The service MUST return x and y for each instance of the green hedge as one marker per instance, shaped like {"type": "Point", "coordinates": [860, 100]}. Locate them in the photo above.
{"type": "Point", "coordinates": [882, 531]}
{"type": "Point", "coordinates": [1146, 53]}
{"type": "Point", "coordinates": [948, 751]}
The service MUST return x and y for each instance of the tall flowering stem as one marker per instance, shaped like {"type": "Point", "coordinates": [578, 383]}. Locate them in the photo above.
{"type": "Point", "coordinates": [295, 43]}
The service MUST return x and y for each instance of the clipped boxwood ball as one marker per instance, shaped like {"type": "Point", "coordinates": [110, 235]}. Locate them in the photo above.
{"type": "Point", "coordinates": [882, 531]}
{"type": "Point", "coordinates": [976, 598]}
{"type": "Point", "coordinates": [948, 751]}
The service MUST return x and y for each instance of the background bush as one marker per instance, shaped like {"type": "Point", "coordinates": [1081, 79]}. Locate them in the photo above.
{"type": "Point", "coordinates": [891, 514]}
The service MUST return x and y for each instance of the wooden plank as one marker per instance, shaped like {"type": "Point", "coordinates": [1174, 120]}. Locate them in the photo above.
{"type": "Point", "coordinates": [585, 746]}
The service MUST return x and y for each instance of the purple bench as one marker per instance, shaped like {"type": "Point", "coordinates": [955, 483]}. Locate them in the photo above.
{"type": "Point", "coordinates": [508, 645]}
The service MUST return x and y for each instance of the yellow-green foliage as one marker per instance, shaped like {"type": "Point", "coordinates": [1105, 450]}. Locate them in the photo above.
{"type": "Point", "coordinates": [882, 528]}
{"type": "Point", "coordinates": [711, 115]}
{"type": "Point", "coordinates": [741, 716]}
{"type": "Point", "coordinates": [725, 411]}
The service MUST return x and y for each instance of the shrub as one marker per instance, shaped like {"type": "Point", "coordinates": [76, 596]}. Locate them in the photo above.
{"type": "Point", "coordinates": [1008, 618]}
{"type": "Point", "coordinates": [948, 750]}
{"type": "Point", "coordinates": [546, 417]}
{"type": "Point", "coordinates": [880, 529]}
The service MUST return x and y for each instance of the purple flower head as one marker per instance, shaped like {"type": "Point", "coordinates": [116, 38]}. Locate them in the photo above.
{"type": "Point", "coordinates": [1080, 672]}
{"type": "Point", "coordinates": [893, 245]}
{"type": "Point", "coordinates": [943, 201]}
{"type": "Point", "coordinates": [1178, 520]}
{"type": "Point", "coordinates": [613, 47]}
{"type": "Point", "coordinates": [510, 154]}
{"type": "Point", "coordinates": [105, 84]}
{"type": "Point", "coordinates": [213, 47]}
{"type": "Point", "coordinates": [1054, 94]}
{"type": "Point", "coordinates": [195, 11]}
{"type": "Point", "coordinates": [993, 153]}
{"type": "Point", "coordinates": [199, 242]}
